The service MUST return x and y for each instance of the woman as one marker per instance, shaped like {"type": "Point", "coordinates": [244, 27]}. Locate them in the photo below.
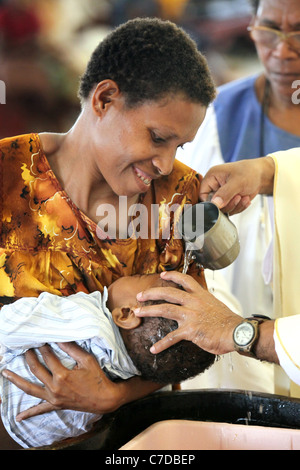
{"type": "Point", "coordinates": [252, 117]}
{"type": "Point", "coordinates": [144, 93]}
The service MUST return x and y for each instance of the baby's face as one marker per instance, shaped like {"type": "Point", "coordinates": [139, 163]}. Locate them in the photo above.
{"type": "Point", "coordinates": [123, 292]}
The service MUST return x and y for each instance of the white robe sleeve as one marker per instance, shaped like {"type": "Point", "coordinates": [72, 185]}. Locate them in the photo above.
{"type": "Point", "coordinates": [287, 345]}
{"type": "Point", "coordinates": [286, 263]}
{"type": "Point", "coordinates": [287, 233]}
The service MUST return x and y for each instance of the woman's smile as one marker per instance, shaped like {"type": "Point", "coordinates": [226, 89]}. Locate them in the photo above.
{"type": "Point", "coordinates": [137, 156]}
{"type": "Point", "coordinates": [146, 179]}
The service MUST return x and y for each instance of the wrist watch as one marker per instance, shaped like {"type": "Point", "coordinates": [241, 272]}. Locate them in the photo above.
{"type": "Point", "coordinates": [246, 334]}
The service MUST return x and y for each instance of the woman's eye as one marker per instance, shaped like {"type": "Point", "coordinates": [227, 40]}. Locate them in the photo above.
{"type": "Point", "coordinates": [156, 139]}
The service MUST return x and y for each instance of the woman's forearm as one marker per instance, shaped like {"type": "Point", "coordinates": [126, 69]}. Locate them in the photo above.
{"type": "Point", "coordinates": [135, 388]}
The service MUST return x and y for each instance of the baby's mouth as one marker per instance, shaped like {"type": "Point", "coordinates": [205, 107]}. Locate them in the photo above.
{"type": "Point", "coordinates": [142, 176]}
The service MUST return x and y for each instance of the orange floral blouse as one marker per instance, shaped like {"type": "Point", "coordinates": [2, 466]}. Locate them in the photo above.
{"type": "Point", "coordinates": [48, 244]}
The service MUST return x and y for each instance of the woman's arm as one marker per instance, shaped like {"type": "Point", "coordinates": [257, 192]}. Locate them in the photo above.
{"type": "Point", "coordinates": [85, 388]}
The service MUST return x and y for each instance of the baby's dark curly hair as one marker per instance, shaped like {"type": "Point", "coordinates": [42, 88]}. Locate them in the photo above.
{"type": "Point", "coordinates": [149, 58]}
{"type": "Point", "coordinates": [179, 362]}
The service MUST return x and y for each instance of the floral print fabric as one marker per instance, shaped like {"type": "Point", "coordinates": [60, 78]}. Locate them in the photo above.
{"type": "Point", "coordinates": [48, 244]}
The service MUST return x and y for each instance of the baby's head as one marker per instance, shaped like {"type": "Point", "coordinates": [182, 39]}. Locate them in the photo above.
{"type": "Point", "coordinates": [179, 362]}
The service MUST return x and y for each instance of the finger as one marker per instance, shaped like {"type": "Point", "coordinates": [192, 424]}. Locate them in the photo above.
{"type": "Point", "coordinates": [76, 352]}
{"type": "Point", "coordinates": [232, 204]}
{"type": "Point", "coordinates": [159, 310]}
{"type": "Point", "coordinates": [168, 294]}
{"type": "Point", "coordinates": [208, 185]}
{"type": "Point", "coordinates": [188, 283]}
{"type": "Point", "coordinates": [244, 203]}
{"type": "Point", "coordinates": [51, 361]}
{"type": "Point", "coordinates": [38, 369]}
{"type": "Point", "coordinates": [36, 410]}
{"type": "Point", "coordinates": [27, 387]}
{"type": "Point", "coordinates": [218, 201]}
{"type": "Point", "coordinates": [166, 342]}
{"type": "Point", "coordinates": [204, 196]}
{"type": "Point", "coordinates": [73, 350]}
{"type": "Point", "coordinates": [229, 193]}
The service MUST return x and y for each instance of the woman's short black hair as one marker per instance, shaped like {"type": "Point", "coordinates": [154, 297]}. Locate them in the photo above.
{"type": "Point", "coordinates": [149, 58]}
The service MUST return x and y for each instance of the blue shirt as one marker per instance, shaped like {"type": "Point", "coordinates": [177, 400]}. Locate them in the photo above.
{"type": "Point", "coordinates": [237, 103]}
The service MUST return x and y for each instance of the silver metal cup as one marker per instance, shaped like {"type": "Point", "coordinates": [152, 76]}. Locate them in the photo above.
{"type": "Point", "coordinates": [214, 239]}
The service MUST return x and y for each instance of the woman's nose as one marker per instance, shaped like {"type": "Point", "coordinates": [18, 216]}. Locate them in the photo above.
{"type": "Point", "coordinates": [164, 163]}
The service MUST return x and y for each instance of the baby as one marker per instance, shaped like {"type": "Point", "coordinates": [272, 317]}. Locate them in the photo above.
{"type": "Point", "coordinates": [104, 325]}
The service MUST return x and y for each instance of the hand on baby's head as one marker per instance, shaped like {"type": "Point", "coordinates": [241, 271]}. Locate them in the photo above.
{"type": "Point", "coordinates": [177, 363]}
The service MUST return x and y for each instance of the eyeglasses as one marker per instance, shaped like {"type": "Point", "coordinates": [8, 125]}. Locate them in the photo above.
{"type": "Point", "coordinates": [270, 37]}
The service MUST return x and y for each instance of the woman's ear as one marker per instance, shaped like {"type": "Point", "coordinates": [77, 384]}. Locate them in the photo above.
{"type": "Point", "coordinates": [125, 318]}
{"type": "Point", "coordinates": [104, 93]}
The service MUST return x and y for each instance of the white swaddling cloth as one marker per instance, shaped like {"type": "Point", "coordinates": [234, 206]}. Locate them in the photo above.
{"type": "Point", "coordinates": [32, 322]}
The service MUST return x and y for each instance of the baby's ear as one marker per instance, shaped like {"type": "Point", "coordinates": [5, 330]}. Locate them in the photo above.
{"type": "Point", "coordinates": [125, 318]}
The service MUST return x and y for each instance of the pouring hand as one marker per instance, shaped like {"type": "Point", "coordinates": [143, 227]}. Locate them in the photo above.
{"type": "Point", "coordinates": [236, 184]}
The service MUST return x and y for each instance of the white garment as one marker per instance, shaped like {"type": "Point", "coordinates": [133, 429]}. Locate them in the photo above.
{"type": "Point", "coordinates": [287, 261]}
{"type": "Point", "coordinates": [287, 345]}
{"type": "Point", "coordinates": [32, 322]}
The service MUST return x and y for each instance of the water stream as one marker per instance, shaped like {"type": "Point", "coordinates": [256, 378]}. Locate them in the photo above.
{"type": "Point", "coordinates": [188, 258]}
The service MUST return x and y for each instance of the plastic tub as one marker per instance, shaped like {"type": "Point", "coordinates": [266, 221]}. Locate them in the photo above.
{"type": "Point", "coordinates": [242, 409]}
{"type": "Point", "coordinates": [194, 435]}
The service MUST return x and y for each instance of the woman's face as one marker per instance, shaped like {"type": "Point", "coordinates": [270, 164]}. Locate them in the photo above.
{"type": "Point", "coordinates": [134, 146]}
{"type": "Point", "coordinates": [282, 64]}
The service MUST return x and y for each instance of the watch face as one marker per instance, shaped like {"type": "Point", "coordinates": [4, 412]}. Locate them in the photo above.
{"type": "Point", "coordinates": [244, 334]}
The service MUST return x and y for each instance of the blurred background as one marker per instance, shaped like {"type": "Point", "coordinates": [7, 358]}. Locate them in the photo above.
{"type": "Point", "coordinates": [45, 45]}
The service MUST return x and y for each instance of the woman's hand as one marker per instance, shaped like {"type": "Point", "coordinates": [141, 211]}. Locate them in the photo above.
{"type": "Point", "coordinates": [84, 388]}
{"type": "Point", "coordinates": [201, 318]}
{"type": "Point", "coordinates": [235, 184]}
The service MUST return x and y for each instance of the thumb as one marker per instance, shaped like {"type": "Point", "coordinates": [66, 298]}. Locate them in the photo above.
{"type": "Point", "coordinates": [216, 199]}
{"type": "Point", "coordinates": [225, 200]}
{"type": "Point", "coordinates": [228, 193]}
